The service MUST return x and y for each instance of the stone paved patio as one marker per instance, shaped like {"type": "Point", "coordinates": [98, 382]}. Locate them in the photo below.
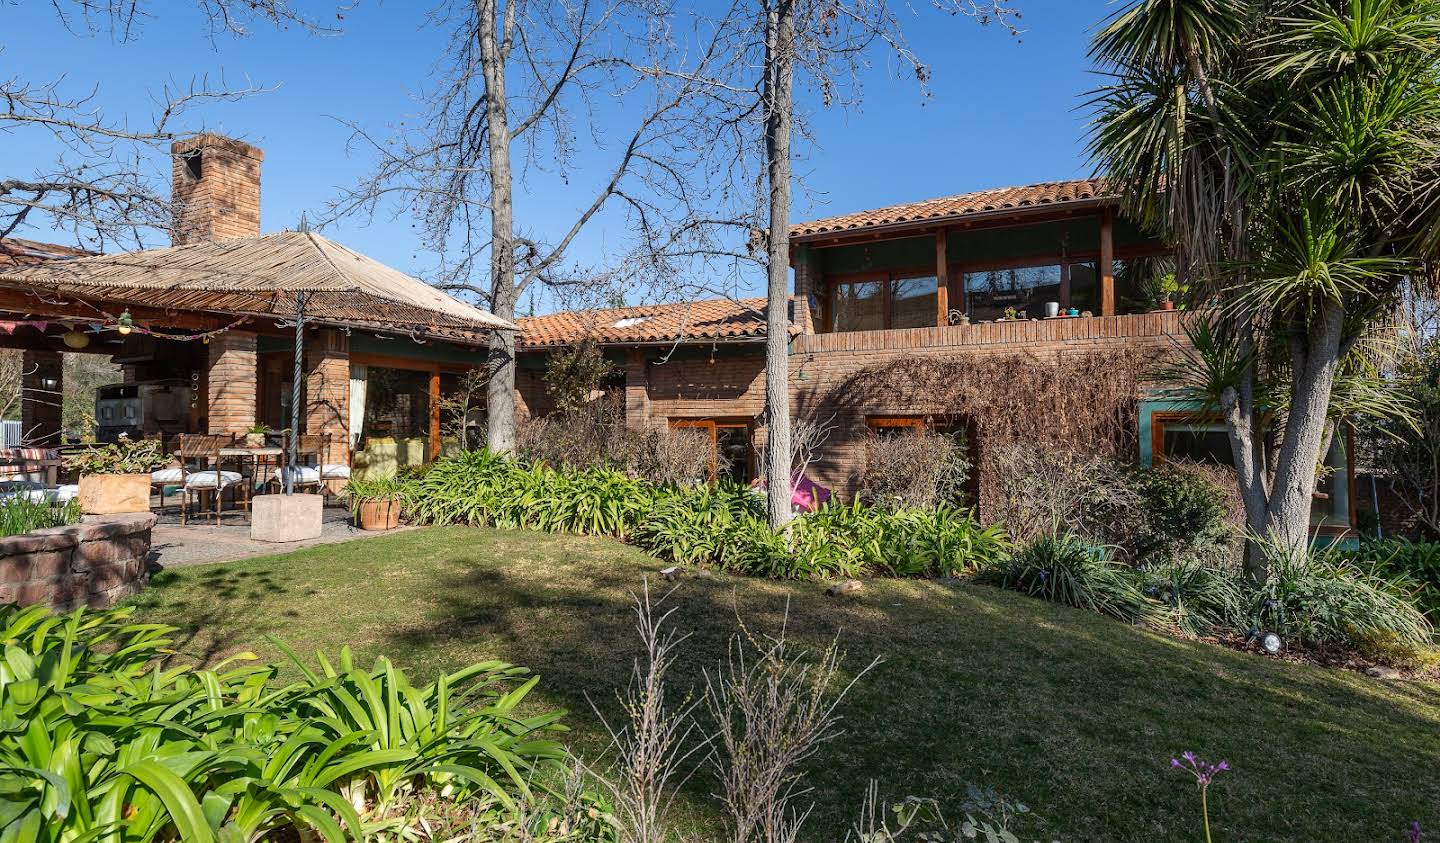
{"type": "Point", "coordinates": [203, 543]}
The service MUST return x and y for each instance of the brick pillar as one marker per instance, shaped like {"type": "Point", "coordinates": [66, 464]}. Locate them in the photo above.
{"type": "Point", "coordinates": [215, 185]}
{"type": "Point", "coordinates": [42, 385]}
{"type": "Point", "coordinates": [232, 382]}
{"type": "Point", "coordinates": [327, 390]}
{"type": "Point", "coordinates": [637, 390]}
{"type": "Point", "coordinates": [806, 284]}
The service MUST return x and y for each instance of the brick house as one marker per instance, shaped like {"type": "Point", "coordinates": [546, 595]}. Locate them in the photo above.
{"type": "Point", "coordinates": [1039, 274]}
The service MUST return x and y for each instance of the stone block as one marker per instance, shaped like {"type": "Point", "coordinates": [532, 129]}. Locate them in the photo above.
{"type": "Point", "coordinates": [34, 566]}
{"type": "Point", "coordinates": [286, 518]}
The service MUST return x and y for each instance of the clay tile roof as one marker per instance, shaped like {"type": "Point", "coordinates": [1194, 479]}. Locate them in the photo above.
{"type": "Point", "coordinates": [956, 207]}
{"type": "Point", "coordinates": [17, 252]}
{"type": "Point", "coordinates": [713, 320]}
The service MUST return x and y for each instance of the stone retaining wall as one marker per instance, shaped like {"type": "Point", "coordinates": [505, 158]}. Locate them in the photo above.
{"type": "Point", "coordinates": [95, 563]}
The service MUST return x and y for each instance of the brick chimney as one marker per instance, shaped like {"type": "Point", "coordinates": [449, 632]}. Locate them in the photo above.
{"type": "Point", "coordinates": [215, 187]}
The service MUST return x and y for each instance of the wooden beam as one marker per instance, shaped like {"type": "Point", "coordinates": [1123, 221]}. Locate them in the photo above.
{"type": "Point", "coordinates": [434, 414]}
{"type": "Point", "coordinates": [1107, 263]}
{"type": "Point", "coordinates": [942, 279]}
{"type": "Point", "coordinates": [24, 305]}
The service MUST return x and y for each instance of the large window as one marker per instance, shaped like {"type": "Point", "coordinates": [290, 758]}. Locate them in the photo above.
{"type": "Point", "coordinates": [397, 403]}
{"type": "Point", "coordinates": [892, 301]}
{"type": "Point", "coordinates": [731, 452]}
{"type": "Point", "coordinates": [1202, 438]}
{"type": "Point", "coordinates": [991, 293]}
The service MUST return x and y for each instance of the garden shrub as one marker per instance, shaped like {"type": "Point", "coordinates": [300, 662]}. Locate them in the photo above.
{"type": "Point", "coordinates": [1325, 599]}
{"type": "Point", "coordinates": [595, 436]}
{"type": "Point", "coordinates": [1063, 568]}
{"type": "Point", "coordinates": [1417, 561]}
{"type": "Point", "coordinates": [723, 525]}
{"type": "Point", "coordinates": [20, 515]}
{"type": "Point", "coordinates": [913, 469]}
{"type": "Point", "coordinates": [103, 741]}
{"type": "Point", "coordinates": [1148, 515]}
{"type": "Point", "coordinates": [1193, 596]}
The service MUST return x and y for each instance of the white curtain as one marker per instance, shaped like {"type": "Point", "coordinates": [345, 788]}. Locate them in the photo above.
{"type": "Point", "coordinates": [358, 377]}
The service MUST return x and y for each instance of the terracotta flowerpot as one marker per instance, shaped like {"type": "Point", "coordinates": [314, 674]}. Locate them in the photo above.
{"type": "Point", "coordinates": [110, 494]}
{"type": "Point", "coordinates": [254, 440]}
{"type": "Point", "coordinates": [1167, 305]}
{"type": "Point", "coordinates": [383, 514]}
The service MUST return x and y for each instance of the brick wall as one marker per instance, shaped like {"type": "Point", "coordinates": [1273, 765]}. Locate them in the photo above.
{"type": "Point", "coordinates": [327, 390]}
{"type": "Point", "coordinates": [95, 563]}
{"type": "Point", "coordinates": [231, 382]}
{"type": "Point", "coordinates": [822, 364]}
{"type": "Point", "coordinates": [40, 406]}
{"type": "Point", "coordinates": [224, 200]}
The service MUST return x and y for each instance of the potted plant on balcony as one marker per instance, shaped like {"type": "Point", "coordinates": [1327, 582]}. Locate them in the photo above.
{"type": "Point", "coordinates": [116, 478]}
{"type": "Point", "coordinates": [375, 502]}
{"type": "Point", "coordinates": [1169, 286]}
{"type": "Point", "coordinates": [255, 436]}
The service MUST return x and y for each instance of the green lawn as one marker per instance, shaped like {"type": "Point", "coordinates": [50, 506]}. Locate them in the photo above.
{"type": "Point", "coordinates": [1072, 713]}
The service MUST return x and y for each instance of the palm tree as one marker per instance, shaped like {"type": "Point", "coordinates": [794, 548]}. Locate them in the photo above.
{"type": "Point", "coordinates": [1290, 150]}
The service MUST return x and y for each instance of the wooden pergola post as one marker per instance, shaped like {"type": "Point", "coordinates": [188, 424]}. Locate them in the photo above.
{"type": "Point", "coordinates": [942, 280]}
{"type": "Point", "coordinates": [1107, 263]}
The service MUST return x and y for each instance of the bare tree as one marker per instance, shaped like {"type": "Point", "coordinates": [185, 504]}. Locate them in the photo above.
{"type": "Point", "coordinates": [519, 80]}
{"type": "Point", "coordinates": [103, 184]}
{"type": "Point", "coordinates": [774, 704]}
{"type": "Point", "coordinates": [825, 44]}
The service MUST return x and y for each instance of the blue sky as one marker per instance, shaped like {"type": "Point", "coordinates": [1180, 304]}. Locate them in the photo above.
{"type": "Point", "coordinates": [1001, 111]}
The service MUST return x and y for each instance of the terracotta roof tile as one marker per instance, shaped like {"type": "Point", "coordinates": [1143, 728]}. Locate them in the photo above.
{"type": "Point", "coordinates": [954, 207]}
{"type": "Point", "coordinates": [714, 319]}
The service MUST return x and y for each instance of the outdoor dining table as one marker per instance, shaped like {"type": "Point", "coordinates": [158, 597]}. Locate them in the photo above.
{"type": "Point", "coordinates": [261, 456]}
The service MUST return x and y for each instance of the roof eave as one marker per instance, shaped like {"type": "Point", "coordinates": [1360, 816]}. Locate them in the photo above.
{"type": "Point", "coordinates": [1040, 209]}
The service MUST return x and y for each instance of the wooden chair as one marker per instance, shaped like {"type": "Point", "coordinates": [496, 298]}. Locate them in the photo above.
{"type": "Point", "coordinates": [200, 461]}
{"type": "Point", "coordinates": [309, 448]}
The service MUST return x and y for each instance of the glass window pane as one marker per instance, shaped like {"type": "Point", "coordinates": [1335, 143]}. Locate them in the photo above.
{"type": "Point", "coordinates": [1197, 443]}
{"type": "Point", "coordinates": [732, 444]}
{"type": "Point", "coordinates": [1138, 281]}
{"type": "Point", "coordinates": [859, 306]}
{"type": "Point", "coordinates": [990, 292]}
{"type": "Point", "coordinates": [912, 303]}
{"type": "Point", "coordinates": [397, 404]}
{"type": "Point", "coordinates": [1085, 287]}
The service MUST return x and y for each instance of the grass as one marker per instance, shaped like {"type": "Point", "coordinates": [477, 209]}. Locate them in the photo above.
{"type": "Point", "coordinates": [1072, 713]}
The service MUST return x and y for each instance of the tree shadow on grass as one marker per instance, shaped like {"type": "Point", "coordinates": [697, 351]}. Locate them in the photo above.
{"type": "Point", "coordinates": [231, 608]}
{"type": "Point", "coordinates": [1051, 704]}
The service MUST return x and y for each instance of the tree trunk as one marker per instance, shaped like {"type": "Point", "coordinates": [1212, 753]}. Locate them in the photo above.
{"type": "Point", "coordinates": [1317, 358]}
{"type": "Point", "coordinates": [779, 77]}
{"type": "Point", "coordinates": [500, 392]}
{"type": "Point", "coordinates": [1247, 450]}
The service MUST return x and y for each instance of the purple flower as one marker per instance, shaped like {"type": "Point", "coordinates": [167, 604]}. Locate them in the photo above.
{"type": "Point", "coordinates": [1412, 834]}
{"type": "Point", "coordinates": [1203, 771]}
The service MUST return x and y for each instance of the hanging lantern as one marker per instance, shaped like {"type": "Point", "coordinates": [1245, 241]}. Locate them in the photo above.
{"type": "Point", "coordinates": [125, 324]}
{"type": "Point", "coordinates": [75, 339]}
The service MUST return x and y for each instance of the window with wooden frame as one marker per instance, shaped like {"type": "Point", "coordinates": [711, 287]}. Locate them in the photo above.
{"type": "Point", "coordinates": [878, 301]}
{"type": "Point", "coordinates": [1201, 437]}
{"type": "Point", "coordinates": [732, 452]}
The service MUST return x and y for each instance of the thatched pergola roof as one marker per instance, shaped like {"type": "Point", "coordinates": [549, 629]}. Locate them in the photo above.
{"type": "Point", "coordinates": [263, 276]}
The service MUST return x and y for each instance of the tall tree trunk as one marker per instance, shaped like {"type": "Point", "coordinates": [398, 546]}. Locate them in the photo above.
{"type": "Point", "coordinates": [779, 79]}
{"type": "Point", "coordinates": [500, 392]}
{"type": "Point", "coordinates": [1316, 359]}
{"type": "Point", "coordinates": [1247, 450]}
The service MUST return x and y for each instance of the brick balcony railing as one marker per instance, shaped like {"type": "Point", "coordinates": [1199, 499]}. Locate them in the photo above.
{"type": "Point", "coordinates": [1080, 331]}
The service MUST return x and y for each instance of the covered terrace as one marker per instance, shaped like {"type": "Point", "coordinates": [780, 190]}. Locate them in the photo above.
{"type": "Point", "coordinates": [205, 335]}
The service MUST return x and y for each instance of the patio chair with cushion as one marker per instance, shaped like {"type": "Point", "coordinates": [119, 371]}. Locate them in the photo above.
{"type": "Point", "coordinates": [309, 448]}
{"type": "Point", "coordinates": [200, 467]}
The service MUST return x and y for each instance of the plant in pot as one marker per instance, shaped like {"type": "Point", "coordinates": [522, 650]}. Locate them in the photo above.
{"type": "Point", "coordinates": [1011, 314]}
{"type": "Point", "coordinates": [116, 478]}
{"type": "Point", "coordinates": [1169, 287]}
{"type": "Point", "coordinates": [255, 436]}
{"type": "Point", "coordinates": [375, 501]}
